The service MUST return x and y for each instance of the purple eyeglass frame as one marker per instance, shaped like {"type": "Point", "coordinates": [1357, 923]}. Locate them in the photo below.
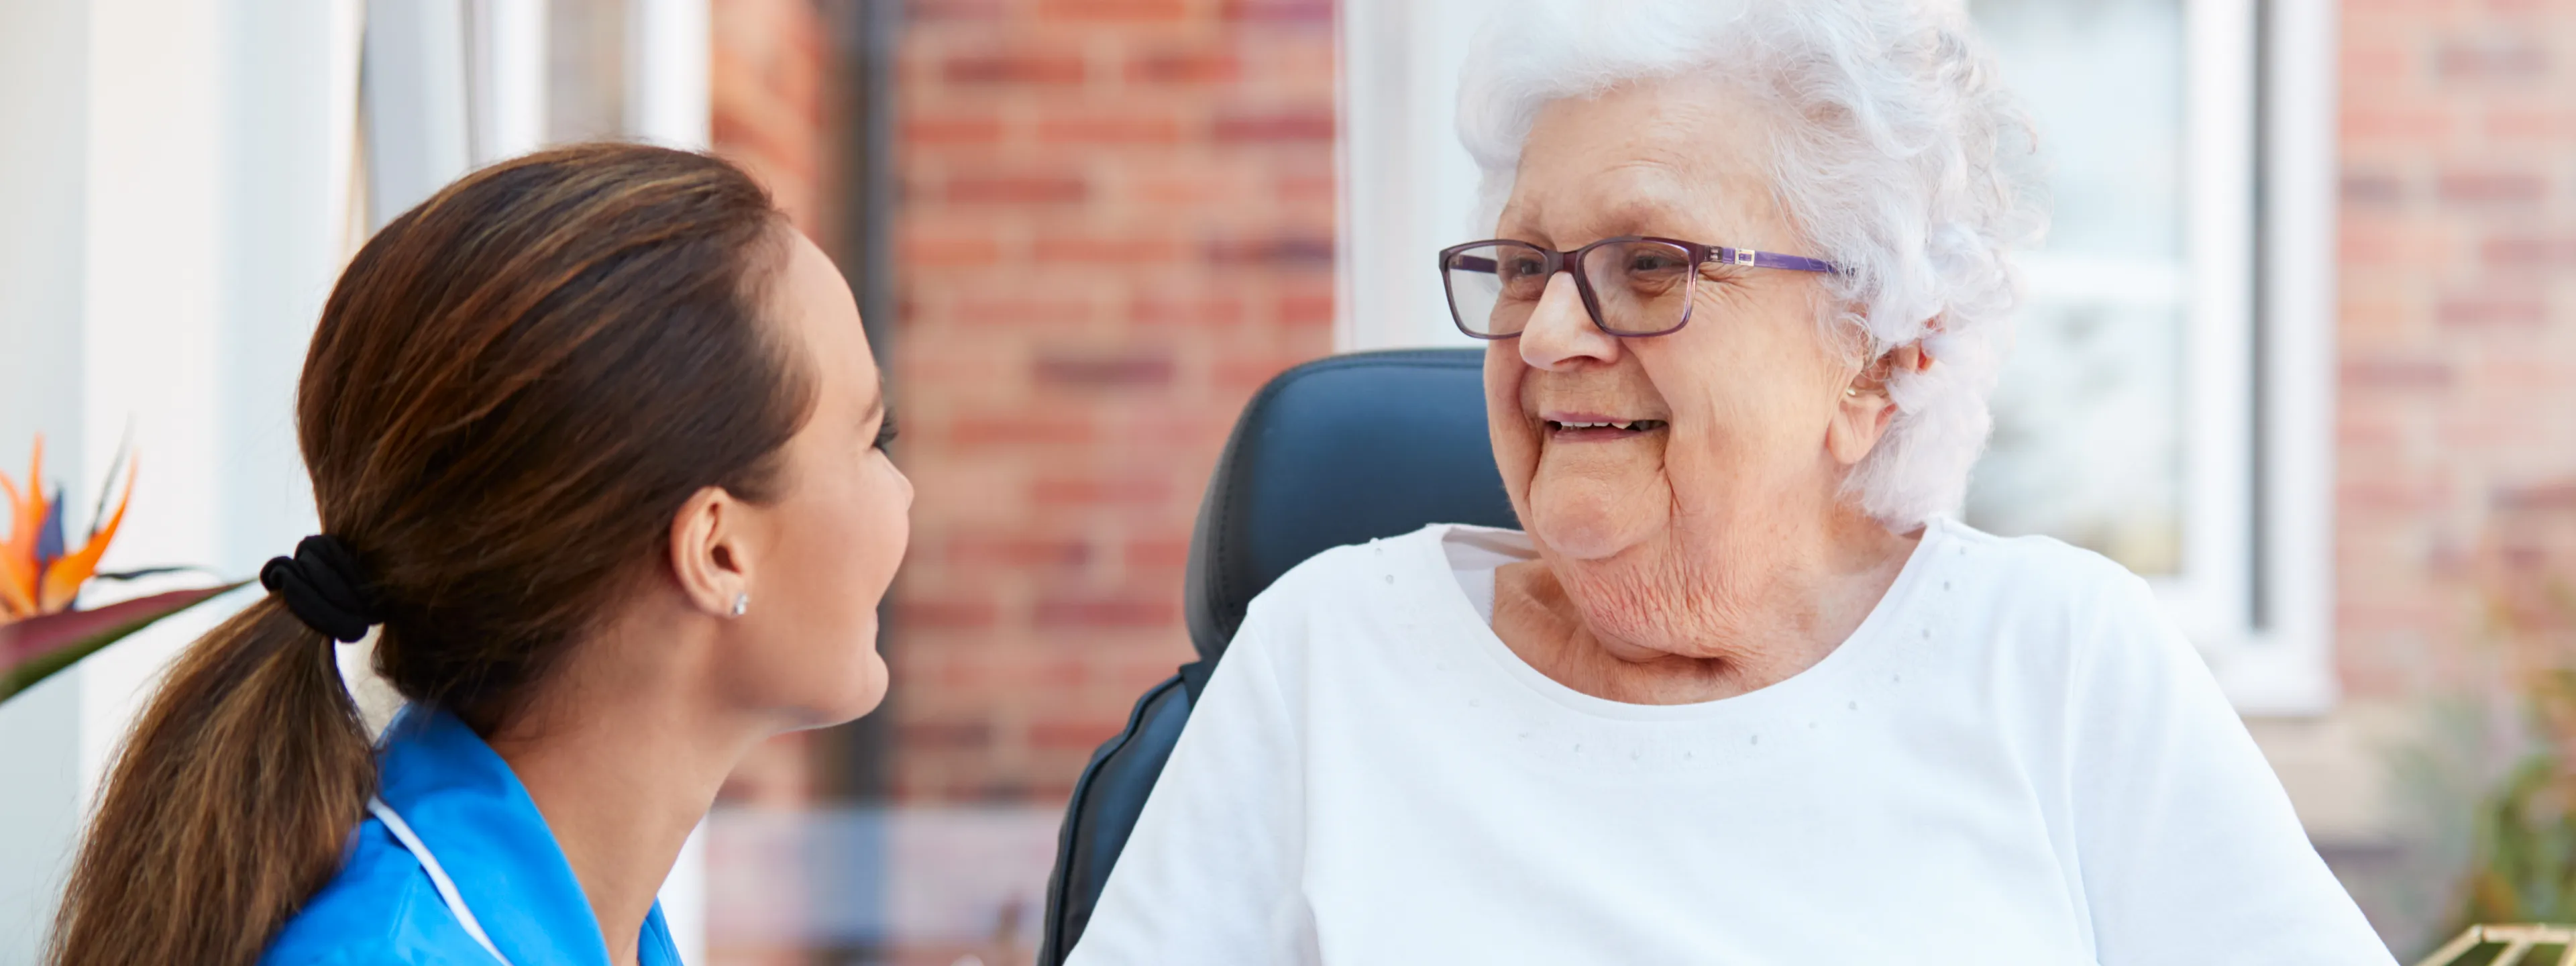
{"type": "Point", "coordinates": [1571, 262]}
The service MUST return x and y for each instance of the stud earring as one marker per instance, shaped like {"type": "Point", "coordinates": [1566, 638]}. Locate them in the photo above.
{"type": "Point", "coordinates": [1850, 391]}
{"type": "Point", "coordinates": [741, 603]}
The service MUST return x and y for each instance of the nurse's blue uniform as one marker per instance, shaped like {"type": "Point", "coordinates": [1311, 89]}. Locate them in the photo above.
{"type": "Point", "coordinates": [454, 865]}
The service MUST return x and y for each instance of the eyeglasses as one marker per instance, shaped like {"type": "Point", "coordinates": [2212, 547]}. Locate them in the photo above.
{"type": "Point", "coordinates": [1631, 285]}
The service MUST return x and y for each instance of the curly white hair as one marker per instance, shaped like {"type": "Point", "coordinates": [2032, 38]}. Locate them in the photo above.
{"type": "Point", "coordinates": [1896, 150]}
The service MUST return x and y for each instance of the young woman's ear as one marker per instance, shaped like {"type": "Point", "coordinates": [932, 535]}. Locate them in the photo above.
{"type": "Point", "coordinates": [708, 557]}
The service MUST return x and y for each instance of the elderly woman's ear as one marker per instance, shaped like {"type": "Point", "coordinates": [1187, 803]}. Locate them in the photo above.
{"type": "Point", "coordinates": [1865, 410]}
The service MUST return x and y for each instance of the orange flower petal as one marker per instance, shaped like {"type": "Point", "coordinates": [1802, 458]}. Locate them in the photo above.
{"type": "Point", "coordinates": [18, 576]}
{"type": "Point", "coordinates": [63, 580]}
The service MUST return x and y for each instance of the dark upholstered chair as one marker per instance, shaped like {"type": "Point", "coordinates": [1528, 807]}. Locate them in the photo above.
{"type": "Point", "coordinates": [1340, 450]}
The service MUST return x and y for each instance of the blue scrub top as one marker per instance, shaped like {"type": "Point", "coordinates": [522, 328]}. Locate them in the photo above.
{"type": "Point", "coordinates": [478, 821]}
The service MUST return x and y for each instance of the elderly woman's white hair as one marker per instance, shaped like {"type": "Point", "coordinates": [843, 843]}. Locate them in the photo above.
{"type": "Point", "coordinates": [1896, 150]}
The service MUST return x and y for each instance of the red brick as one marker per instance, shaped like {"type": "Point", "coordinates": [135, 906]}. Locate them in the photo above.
{"type": "Point", "coordinates": [2360, 242]}
{"type": "Point", "coordinates": [1051, 791]}
{"type": "Point", "coordinates": [2395, 125]}
{"type": "Point", "coordinates": [1312, 124]}
{"type": "Point", "coordinates": [1283, 251]}
{"type": "Point", "coordinates": [2386, 496]}
{"type": "Point", "coordinates": [2518, 61]}
{"type": "Point", "coordinates": [1195, 68]}
{"type": "Point", "coordinates": [2363, 63]}
{"type": "Point", "coordinates": [1014, 310]}
{"type": "Point", "coordinates": [1314, 12]}
{"type": "Point", "coordinates": [1245, 375]}
{"type": "Point", "coordinates": [1139, 368]}
{"type": "Point", "coordinates": [1022, 68]}
{"type": "Point", "coordinates": [1108, 612]}
{"type": "Point", "coordinates": [1109, 128]}
{"type": "Point", "coordinates": [1183, 191]}
{"type": "Point", "coordinates": [1158, 554]}
{"type": "Point", "coordinates": [928, 251]}
{"type": "Point", "coordinates": [948, 614]}
{"type": "Point", "coordinates": [2528, 251]}
{"type": "Point", "coordinates": [1096, 249]}
{"type": "Point", "coordinates": [1212, 311]}
{"type": "Point", "coordinates": [953, 129]}
{"type": "Point", "coordinates": [1133, 11]}
{"type": "Point", "coordinates": [2522, 124]}
{"type": "Point", "coordinates": [2371, 322]}
{"type": "Point", "coordinates": [1017, 189]}
{"type": "Point", "coordinates": [2396, 374]}
{"type": "Point", "coordinates": [2491, 311]}
{"type": "Point", "coordinates": [945, 735]}
{"type": "Point", "coordinates": [1306, 310]}
{"type": "Point", "coordinates": [2377, 190]}
{"type": "Point", "coordinates": [1064, 672]}
{"type": "Point", "coordinates": [2490, 188]}
{"type": "Point", "coordinates": [1018, 552]}
{"type": "Point", "coordinates": [1097, 492]}
{"type": "Point", "coordinates": [2559, 496]}
{"type": "Point", "coordinates": [920, 12]}
{"type": "Point", "coordinates": [1020, 430]}
{"type": "Point", "coordinates": [1307, 190]}
{"type": "Point", "coordinates": [1074, 733]}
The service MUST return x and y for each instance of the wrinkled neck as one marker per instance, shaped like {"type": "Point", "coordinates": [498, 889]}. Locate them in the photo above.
{"type": "Point", "coordinates": [1709, 609]}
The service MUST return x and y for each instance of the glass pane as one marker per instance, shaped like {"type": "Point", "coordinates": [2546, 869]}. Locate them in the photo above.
{"type": "Point", "coordinates": [1475, 285]}
{"type": "Point", "coordinates": [586, 70]}
{"type": "Point", "coordinates": [2088, 417]}
{"type": "Point", "coordinates": [1642, 286]}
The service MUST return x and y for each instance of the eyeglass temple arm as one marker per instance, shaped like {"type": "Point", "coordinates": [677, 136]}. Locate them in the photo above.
{"type": "Point", "coordinates": [1794, 263]}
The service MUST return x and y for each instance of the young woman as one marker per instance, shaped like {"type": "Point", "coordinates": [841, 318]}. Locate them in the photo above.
{"type": "Point", "coordinates": [599, 449]}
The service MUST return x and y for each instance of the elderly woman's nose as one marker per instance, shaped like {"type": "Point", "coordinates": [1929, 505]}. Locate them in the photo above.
{"type": "Point", "coordinates": [1560, 333]}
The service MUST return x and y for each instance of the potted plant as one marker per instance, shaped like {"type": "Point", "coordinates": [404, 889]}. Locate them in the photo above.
{"type": "Point", "coordinates": [2521, 861]}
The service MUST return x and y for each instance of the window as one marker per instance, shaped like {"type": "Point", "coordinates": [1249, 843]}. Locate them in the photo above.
{"type": "Point", "coordinates": [2166, 404]}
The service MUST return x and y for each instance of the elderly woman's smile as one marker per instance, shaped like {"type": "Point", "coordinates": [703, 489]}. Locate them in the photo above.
{"type": "Point", "coordinates": [1738, 691]}
{"type": "Point", "coordinates": [1596, 473]}
{"type": "Point", "coordinates": [1571, 426]}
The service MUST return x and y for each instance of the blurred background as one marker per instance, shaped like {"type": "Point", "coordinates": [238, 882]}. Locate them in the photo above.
{"type": "Point", "coordinates": [2301, 349]}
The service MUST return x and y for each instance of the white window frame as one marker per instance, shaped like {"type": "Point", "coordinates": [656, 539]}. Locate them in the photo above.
{"type": "Point", "coordinates": [2255, 589]}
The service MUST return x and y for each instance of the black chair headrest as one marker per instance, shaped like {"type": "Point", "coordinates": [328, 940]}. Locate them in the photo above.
{"type": "Point", "coordinates": [1340, 450]}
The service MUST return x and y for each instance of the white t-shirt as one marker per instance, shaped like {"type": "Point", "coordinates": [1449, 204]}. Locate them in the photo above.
{"type": "Point", "coordinates": [2015, 759]}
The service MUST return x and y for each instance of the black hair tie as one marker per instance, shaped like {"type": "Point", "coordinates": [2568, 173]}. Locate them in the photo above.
{"type": "Point", "coordinates": [325, 588]}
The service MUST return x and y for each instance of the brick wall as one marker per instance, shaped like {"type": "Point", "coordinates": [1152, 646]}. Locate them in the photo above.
{"type": "Point", "coordinates": [771, 106]}
{"type": "Point", "coordinates": [2458, 321]}
{"type": "Point", "coordinates": [1116, 223]}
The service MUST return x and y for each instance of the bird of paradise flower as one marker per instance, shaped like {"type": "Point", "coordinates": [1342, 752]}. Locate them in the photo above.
{"type": "Point", "coordinates": [42, 628]}
{"type": "Point", "coordinates": [39, 574]}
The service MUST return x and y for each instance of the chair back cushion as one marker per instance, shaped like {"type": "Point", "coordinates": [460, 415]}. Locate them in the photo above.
{"type": "Point", "coordinates": [1341, 450]}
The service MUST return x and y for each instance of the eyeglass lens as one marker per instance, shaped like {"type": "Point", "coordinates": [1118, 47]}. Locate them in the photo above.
{"type": "Point", "coordinates": [1638, 287]}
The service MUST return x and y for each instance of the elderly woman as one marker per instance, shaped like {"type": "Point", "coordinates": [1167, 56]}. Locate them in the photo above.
{"type": "Point", "coordinates": [1739, 695]}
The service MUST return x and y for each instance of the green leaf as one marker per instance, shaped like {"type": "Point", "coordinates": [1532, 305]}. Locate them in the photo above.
{"type": "Point", "coordinates": [33, 649]}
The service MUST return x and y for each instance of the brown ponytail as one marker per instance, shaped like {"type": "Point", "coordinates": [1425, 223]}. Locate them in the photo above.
{"type": "Point", "coordinates": [234, 794]}
{"type": "Point", "coordinates": [512, 390]}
